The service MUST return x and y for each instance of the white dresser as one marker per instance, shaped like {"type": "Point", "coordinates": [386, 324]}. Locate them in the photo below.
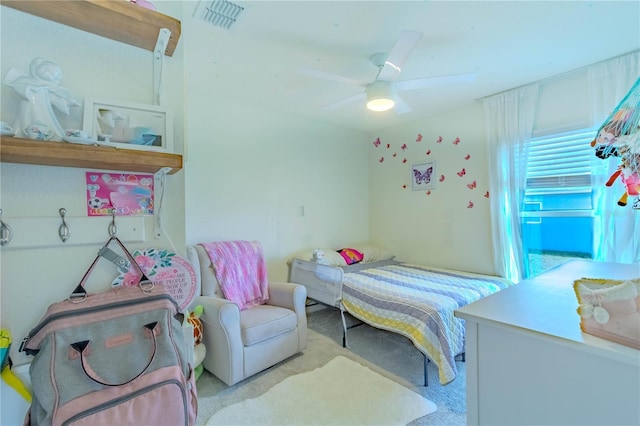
{"type": "Point", "coordinates": [528, 363]}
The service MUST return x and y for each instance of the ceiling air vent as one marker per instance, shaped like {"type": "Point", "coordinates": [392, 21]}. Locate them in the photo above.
{"type": "Point", "coordinates": [219, 13]}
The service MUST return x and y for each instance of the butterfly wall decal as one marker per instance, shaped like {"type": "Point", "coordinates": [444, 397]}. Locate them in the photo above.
{"type": "Point", "coordinates": [439, 140]}
{"type": "Point", "coordinates": [419, 138]}
{"type": "Point", "coordinates": [472, 185]}
{"type": "Point", "coordinates": [466, 157]}
{"type": "Point", "coordinates": [404, 146]}
{"type": "Point", "coordinates": [376, 143]}
{"type": "Point", "coordinates": [456, 141]}
{"type": "Point", "coordinates": [462, 172]}
{"type": "Point", "coordinates": [428, 152]}
{"type": "Point", "coordinates": [422, 177]}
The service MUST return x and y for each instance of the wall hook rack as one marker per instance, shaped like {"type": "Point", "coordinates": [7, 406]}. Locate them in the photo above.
{"type": "Point", "coordinates": [64, 231]}
{"type": "Point", "coordinates": [6, 233]}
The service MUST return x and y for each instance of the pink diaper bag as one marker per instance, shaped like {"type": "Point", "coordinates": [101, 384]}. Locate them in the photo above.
{"type": "Point", "coordinates": [113, 358]}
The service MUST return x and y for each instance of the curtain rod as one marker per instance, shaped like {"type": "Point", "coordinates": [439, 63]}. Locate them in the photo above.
{"type": "Point", "coordinates": [557, 76]}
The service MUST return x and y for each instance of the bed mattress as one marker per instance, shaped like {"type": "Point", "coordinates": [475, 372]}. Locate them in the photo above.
{"type": "Point", "coordinates": [418, 302]}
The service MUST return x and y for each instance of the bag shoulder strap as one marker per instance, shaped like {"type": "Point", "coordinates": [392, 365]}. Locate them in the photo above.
{"type": "Point", "coordinates": [80, 293]}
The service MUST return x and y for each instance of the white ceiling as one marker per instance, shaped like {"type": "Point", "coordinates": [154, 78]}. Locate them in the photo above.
{"type": "Point", "coordinates": [507, 43]}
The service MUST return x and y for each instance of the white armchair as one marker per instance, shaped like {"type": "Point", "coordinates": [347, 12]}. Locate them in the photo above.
{"type": "Point", "coordinates": [242, 343]}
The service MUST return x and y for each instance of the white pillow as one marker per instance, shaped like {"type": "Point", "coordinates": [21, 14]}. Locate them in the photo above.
{"type": "Point", "coordinates": [371, 252]}
{"type": "Point", "coordinates": [331, 256]}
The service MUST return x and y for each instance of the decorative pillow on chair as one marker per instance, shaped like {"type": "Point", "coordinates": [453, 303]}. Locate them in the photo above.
{"type": "Point", "coordinates": [351, 255]}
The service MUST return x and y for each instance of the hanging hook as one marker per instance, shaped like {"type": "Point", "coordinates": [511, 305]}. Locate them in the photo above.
{"type": "Point", "coordinates": [64, 231]}
{"type": "Point", "coordinates": [6, 233]}
{"type": "Point", "coordinates": [113, 228]}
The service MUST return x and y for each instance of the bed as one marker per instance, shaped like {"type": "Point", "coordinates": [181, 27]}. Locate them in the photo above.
{"type": "Point", "coordinates": [416, 301]}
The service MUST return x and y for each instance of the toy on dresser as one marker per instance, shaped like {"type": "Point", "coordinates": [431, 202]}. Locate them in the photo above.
{"type": "Point", "coordinates": [199, 351]}
{"type": "Point", "coordinates": [610, 309]}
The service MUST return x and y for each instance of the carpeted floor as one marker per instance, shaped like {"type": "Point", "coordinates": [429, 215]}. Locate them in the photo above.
{"type": "Point", "coordinates": [387, 353]}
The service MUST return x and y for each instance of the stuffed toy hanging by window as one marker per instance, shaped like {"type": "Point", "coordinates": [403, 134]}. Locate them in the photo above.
{"type": "Point", "coordinates": [619, 136]}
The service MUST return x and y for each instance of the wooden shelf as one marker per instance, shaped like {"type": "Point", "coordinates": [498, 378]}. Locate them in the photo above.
{"type": "Point", "coordinates": [115, 19]}
{"type": "Point", "coordinates": [28, 151]}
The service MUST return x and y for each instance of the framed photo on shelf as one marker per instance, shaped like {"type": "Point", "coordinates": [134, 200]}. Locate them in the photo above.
{"type": "Point", "coordinates": [423, 176]}
{"type": "Point", "coordinates": [128, 125]}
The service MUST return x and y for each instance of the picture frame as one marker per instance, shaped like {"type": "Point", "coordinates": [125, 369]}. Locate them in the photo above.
{"type": "Point", "coordinates": [423, 176]}
{"type": "Point", "coordinates": [128, 125]}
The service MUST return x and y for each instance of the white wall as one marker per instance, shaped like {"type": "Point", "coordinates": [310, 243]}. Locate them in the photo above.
{"type": "Point", "coordinates": [31, 279]}
{"type": "Point", "coordinates": [437, 229]}
{"type": "Point", "coordinates": [440, 229]}
{"type": "Point", "coordinates": [257, 174]}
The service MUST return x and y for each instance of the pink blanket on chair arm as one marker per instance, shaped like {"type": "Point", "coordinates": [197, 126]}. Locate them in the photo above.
{"type": "Point", "coordinates": [240, 270]}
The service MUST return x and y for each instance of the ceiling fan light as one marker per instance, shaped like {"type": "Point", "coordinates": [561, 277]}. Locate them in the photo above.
{"type": "Point", "coordinates": [380, 96]}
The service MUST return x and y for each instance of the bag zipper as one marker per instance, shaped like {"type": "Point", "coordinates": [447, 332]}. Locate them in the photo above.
{"type": "Point", "coordinates": [61, 315]}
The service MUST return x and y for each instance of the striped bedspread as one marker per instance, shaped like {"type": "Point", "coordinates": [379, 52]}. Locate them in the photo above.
{"type": "Point", "coordinates": [418, 302]}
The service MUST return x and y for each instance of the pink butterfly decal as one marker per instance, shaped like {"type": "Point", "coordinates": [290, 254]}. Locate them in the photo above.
{"type": "Point", "coordinates": [471, 185]}
{"type": "Point", "coordinates": [381, 159]}
{"type": "Point", "coordinates": [466, 157]}
{"type": "Point", "coordinates": [429, 152]}
{"type": "Point", "coordinates": [404, 160]}
{"type": "Point", "coordinates": [404, 146]}
{"type": "Point", "coordinates": [422, 176]}
{"type": "Point", "coordinates": [388, 145]}
{"type": "Point", "coordinates": [456, 141]}
{"type": "Point", "coordinates": [470, 205]}
{"type": "Point", "coordinates": [419, 138]}
{"type": "Point", "coordinates": [486, 194]}
{"type": "Point", "coordinates": [394, 155]}
{"type": "Point", "coordinates": [462, 172]}
{"type": "Point", "coordinates": [441, 178]}
{"type": "Point", "coordinates": [439, 140]}
{"type": "Point", "coordinates": [428, 192]}
{"type": "Point", "coordinates": [376, 143]}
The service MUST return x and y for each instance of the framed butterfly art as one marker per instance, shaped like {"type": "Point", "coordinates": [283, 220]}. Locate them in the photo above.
{"type": "Point", "coordinates": [423, 176]}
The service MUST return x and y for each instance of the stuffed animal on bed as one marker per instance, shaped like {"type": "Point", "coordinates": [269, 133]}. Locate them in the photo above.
{"type": "Point", "coordinates": [318, 257]}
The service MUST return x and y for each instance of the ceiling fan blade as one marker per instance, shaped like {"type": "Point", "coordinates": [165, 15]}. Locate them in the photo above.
{"type": "Point", "coordinates": [354, 98]}
{"type": "Point", "coordinates": [407, 40]}
{"type": "Point", "coordinates": [441, 80]}
{"type": "Point", "coordinates": [329, 76]}
{"type": "Point", "coordinates": [401, 106]}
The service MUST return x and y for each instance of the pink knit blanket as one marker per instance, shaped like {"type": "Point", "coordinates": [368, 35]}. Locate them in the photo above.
{"type": "Point", "coordinates": [241, 271]}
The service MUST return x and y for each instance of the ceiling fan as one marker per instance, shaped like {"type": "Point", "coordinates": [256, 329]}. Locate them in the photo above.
{"type": "Point", "coordinates": [381, 93]}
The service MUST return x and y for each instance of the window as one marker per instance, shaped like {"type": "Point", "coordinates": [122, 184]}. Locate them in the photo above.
{"type": "Point", "coordinates": [557, 211]}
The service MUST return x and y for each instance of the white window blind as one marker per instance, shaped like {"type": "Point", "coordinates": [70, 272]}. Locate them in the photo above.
{"type": "Point", "coordinates": [560, 161]}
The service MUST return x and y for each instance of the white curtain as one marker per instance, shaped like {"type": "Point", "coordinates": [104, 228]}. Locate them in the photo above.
{"type": "Point", "coordinates": [616, 228]}
{"type": "Point", "coordinates": [509, 120]}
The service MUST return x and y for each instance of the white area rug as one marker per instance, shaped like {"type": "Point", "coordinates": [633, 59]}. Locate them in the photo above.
{"type": "Point", "coordinates": [342, 392]}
